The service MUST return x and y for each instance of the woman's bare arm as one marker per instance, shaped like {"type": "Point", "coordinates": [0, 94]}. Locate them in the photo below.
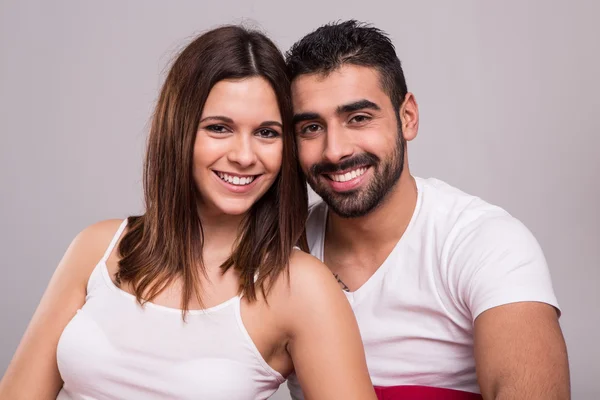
{"type": "Point", "coordinates": [324, 340]}
{"type": "Point", "coordinates": [33, 372]}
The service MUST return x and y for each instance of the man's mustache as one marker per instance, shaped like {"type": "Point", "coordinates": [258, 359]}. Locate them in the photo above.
{"type": "Point", "coordinates": [360, 160]}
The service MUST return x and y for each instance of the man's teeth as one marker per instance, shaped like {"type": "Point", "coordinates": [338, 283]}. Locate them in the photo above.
{"type": "Point", "coordinates": [236, 180]}
{"type": "Point", "coordinates": [348, 175]}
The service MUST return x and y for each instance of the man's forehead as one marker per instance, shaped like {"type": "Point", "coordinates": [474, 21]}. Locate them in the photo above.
{"type": "Point", "coordinates": [336, 88]}
{"type": "Point", "coordinates": [325, 93]}
{"type": "Point", "coordinates": [346, 74]}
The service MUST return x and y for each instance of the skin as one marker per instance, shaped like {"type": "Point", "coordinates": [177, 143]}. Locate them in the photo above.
{"type": "Point", "coordinates": [308, 325]}
{"type": "Point", "coordinates": [519, 348]}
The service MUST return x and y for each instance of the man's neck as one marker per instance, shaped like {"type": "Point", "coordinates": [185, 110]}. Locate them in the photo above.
{"type": "Point", "coordinates": [386, 224]}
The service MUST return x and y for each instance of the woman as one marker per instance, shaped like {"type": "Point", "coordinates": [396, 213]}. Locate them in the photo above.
{"type": "Point", "coordinates": [203, 296]}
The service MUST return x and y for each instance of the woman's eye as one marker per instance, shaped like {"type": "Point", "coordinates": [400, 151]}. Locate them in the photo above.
{"type": "Point", "coordinates": [216, 128]}
{"type": "Point", "coordinates": [267, 133]}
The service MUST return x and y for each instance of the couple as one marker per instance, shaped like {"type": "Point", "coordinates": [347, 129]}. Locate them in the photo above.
{"type": "Point", "coordinates": [210, 294]}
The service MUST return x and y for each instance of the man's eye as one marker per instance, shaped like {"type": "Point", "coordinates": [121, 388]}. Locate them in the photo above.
{"type": "Point", "coordinates": [311, 128]}
{"type": "Point", "coordinates": [360, 118]}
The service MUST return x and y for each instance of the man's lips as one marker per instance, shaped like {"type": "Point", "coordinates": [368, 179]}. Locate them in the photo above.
{"type": "Point", "coordinates": [346, 175]}
{"type": "Point", "coordinates": [347, 180]}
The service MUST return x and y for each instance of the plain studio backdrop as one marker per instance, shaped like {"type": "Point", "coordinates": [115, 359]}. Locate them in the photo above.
{"type": "Point", "coordinates": [508, 93]}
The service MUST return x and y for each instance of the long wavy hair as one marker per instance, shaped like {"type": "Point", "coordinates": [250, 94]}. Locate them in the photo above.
{"type": "Point", "coordinates": [165, 243]}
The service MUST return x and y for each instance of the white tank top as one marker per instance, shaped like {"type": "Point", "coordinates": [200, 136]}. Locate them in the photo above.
{"type": "Point", "coordinates": [115, 349]}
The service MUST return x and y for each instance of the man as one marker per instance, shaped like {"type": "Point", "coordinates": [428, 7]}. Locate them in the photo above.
{"type": "Point", "coordinates": [452, 295]}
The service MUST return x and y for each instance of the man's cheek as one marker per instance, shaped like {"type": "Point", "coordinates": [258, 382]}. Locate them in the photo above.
{"type": "Point", "coordinates": [305, 162]}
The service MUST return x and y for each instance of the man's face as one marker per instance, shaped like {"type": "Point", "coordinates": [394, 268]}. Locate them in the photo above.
{"type": "Point", "coordinates": [349, 138]}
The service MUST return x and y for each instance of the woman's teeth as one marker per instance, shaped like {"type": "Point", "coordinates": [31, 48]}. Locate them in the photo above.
{"type": "Point", "coordinates": [236, 180]}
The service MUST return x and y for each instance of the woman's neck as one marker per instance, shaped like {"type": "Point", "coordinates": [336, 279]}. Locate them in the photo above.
{"type": "Point", "coordinates": [220, 233]}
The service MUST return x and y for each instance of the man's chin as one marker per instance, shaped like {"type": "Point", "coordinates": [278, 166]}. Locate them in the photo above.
{"type": "Point", "coordinates": [347, 212]}
{"type": "Point", "coordinates": [343, 204]}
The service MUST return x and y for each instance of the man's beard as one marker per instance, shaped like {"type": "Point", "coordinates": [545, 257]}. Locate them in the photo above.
{"type": "Point", "coordinates": [359, 202]}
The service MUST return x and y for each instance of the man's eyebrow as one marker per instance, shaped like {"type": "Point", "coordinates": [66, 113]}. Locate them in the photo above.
{"type": "Point", "coordinates": [218, 118]}
{"type": "Point", "coordinates": [356, 106]}
{"type": "Point", "coordinates": [307, 116]}
{"type": "Point", "coordinates": [343, 109]}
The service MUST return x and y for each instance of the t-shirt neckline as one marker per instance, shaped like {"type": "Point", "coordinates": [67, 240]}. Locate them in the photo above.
{"type": "Point", "coordinates": [364, 289]}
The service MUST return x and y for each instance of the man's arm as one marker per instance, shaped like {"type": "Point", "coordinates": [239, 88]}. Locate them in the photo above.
{"type": "Point", "coordinates": [520, 353]}
{"type": "Point", "coordinates": [505, 285]}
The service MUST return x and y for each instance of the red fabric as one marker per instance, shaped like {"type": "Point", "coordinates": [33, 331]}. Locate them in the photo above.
{"type": "Point", "coordinates": [423, 393]}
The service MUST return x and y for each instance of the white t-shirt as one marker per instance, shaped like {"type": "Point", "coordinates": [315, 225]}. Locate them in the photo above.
{"type": "Point", "coordinates": [458, 257]}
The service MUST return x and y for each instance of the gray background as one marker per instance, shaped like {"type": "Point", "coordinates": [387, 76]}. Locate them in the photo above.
{"type": "Point", "coordinates": [508, 92]}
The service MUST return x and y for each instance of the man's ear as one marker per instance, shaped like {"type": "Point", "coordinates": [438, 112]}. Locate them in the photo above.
{"type": "Point", "coordinates": [409, 117]}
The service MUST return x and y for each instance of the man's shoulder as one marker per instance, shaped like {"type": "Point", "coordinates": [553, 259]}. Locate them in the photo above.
{"type": "Point", "coordinates": [470, 224]}
{"type": "Point", "coordinates": [446, 204]}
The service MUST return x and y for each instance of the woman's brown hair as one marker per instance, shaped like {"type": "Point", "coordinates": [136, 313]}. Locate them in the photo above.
{"type": "Point", "coordinates": [165, 243]}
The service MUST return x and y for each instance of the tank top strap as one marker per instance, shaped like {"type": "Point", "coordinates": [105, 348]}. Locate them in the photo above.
{"type": "Point", "coordinates": [114, 240]}
{"type": "Point", "coordinates": [256, 274]}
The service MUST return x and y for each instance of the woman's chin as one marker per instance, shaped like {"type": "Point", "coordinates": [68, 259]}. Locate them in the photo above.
{"type": "Point", "coordinates": [234, 208]}
{"type": "Point", "coordinates": [217, 205]}
{"type": "Point", "coordinates": [236, 211]}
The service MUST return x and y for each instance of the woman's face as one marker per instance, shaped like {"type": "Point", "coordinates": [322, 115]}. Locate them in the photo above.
{"type": "Point", "coordinates": [239, 145]}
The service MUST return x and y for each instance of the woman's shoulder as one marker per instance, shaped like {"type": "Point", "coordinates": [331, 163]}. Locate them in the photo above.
{"type": "Point", "coordinates": [102, 229]}
{"type": "Point", "coordinates": [97, 237]}
{"type": "Point", "coordinates": [89, 247]}
{"type": "Point", "coordinates": [307, 283]}
{"type": "Point", "coordinates": [305, 268]}
{"type": "Point", "coordinates": [308, 297]}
